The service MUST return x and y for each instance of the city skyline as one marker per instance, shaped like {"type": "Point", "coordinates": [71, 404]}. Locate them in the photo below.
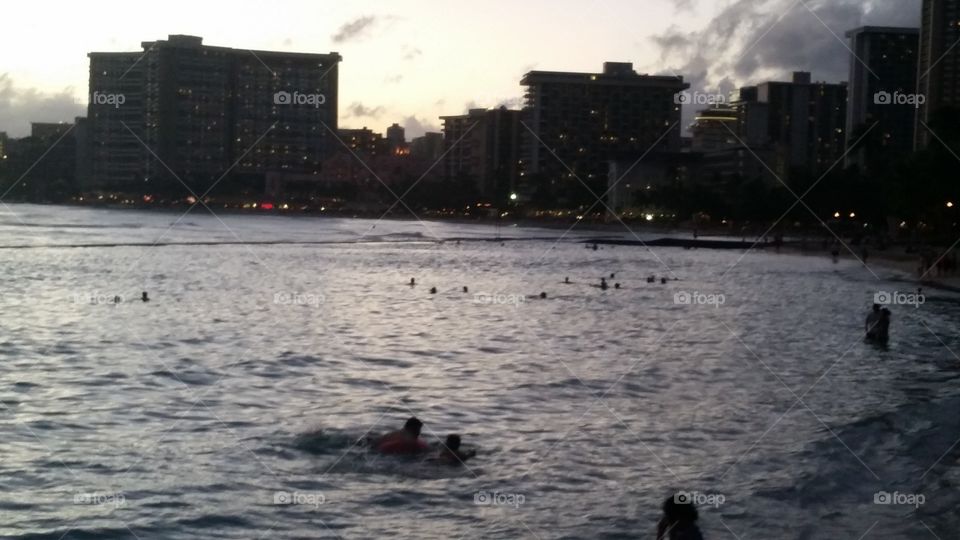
{"type": "Point", "coordinates": [416, 66]}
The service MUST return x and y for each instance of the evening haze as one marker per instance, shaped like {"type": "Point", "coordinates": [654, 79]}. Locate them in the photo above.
{"type": "Point", "coordinates": [414, 62]}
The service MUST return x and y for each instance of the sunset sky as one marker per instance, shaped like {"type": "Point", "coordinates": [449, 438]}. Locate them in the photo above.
{"type": "Point", "coordinates": [413, 61]}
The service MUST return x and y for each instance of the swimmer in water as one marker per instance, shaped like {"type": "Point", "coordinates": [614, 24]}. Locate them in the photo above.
{"type": "Point", "coordinates": [651, 279]}
{"type": "Point", "coordinates": [403, 441]}
{"type": "Point", "coordinates": [450, 453]}
{"type": "Point", "coordinates": [566, 281]}
{"type": "Point", "coordinates": [616, 285]}
{"type": "Point", "coordinates": [663, 281]}
{"type": "Point", "coordinates": [465, 289]}
{"type": "Point", "coordinates": [144, 297]}
{"type": "Point", "coordinates": [603, 284]}
{"type": "Point", "coordinates": [433, 290]}
{"type": "Point", "coordinates": [679, 521]}
{"type": "Point", "coordinates": [413, 282]}
{"type": "Point", "coordinates": [543, 296]}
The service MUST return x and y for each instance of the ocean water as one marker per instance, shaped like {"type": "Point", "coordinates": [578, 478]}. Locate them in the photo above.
{"type": "Point", "coordinates": [272, 345]}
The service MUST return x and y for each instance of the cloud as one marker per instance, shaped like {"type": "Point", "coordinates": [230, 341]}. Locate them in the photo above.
{"type": "Point", "coordinates": [753, 41]}
{"type": "Point", "coordinates": [393, 79]}
{"type": "Point", "coordinates": [411, 53]}
{"type": "Point", "coordinates": [357, 109]}
{"type": "Point", "coordinates": [415, 127]}
{"type": "Point", "coordinates": [20, 106]}
{"type": "Point", "coordinates": [354, 29]}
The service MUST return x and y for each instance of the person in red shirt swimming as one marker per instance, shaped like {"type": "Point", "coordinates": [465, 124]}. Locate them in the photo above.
{"type": "Point", "coordinates": [404, 441]}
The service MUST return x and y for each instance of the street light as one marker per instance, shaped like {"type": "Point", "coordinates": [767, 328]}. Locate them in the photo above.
{"type": "Point", "coordinates": [513, 196]}
{"type": "Point", "coordinates": [836, 215]}
{"type": "Point", "coordinates": [950, 204]}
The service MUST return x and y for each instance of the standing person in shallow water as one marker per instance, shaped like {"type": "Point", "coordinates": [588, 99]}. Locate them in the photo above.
{"type": "Point", "coordinates": [679, 521]}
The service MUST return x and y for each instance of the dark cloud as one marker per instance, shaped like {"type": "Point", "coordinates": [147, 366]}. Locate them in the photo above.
{"type": "Point", "coordinates": [354, 29]}
{"type": "Point", "coordinates": [357, 109]}
{"type": "Point", "coordinates": [20, 106]}
{"type": "Point", "coordinates": [752, 41]}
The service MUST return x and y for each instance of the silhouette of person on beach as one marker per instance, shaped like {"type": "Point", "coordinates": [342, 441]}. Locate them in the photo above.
{"type": "Point", "coordinates": [450, 453]}
{"type": "Point", "coordinates": [403, 441]}
{"type": "Point", "coordinates": [679, 521]}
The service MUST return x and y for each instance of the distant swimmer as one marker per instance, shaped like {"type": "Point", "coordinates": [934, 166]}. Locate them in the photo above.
{"type": "Point", "coordinates": [451, 454]}
{"type": "Point", "coordinates": [613, 275]}
{"type": "Point", "coordinates": [603, 284]}
{"type": "Point", "coordinates": [433, 290]}
{"type": "Point", "coordinates": [679, 521]}
{"type": "Point", "coordinates": [404, 441]}
{"type": "Point", "coordinates": [651, 279]}
{"type": "Point", "coordinates": [663, 281]}
{"type": "Point", "coordinates": [543, 296]}
{"type": "Point", "coordinates": [413, 282]}
{"type": "Point", "coordinates": [616, 285]}
{"type": "Point", "coordinates": [566, 281]}
{"type": "Point", "coordinates": [466, 289]}
{"type": "Point", "coordinates": [144, 297]}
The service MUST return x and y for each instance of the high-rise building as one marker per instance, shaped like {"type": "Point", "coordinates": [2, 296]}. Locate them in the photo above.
{"type": "Point", "coordinates": [714, 129]}
{"type": "Point", "coordinates": [939, 66]}
{"type": "Point", "coordinates": [429, 147]}
{"type": "Point", "coordinates": [397, 139]}
{"type": "Point", "coordinates": [575, 123]}
{"type": "Point", "coordinates": [364, 141]}
{"type": "Point", "coordinates": [801, 123]}
{"type": "Point", "coordinates": [883, 75]}
{"type": "Point", "coordinates": [180, 111]}
{"type": "Point", "coordinates": [482, 148]}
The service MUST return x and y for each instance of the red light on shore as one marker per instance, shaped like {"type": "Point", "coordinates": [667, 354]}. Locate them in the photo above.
{"type": "Point", "coordinates": [267, 206]}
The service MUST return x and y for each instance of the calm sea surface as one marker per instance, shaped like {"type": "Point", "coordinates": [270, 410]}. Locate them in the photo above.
{"type": "Point", "coordinates": [260, 362]}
